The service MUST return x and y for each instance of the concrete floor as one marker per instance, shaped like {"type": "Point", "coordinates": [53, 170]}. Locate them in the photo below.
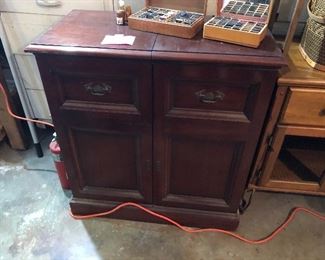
{"type": "Point", "coordinates": [35, 224]}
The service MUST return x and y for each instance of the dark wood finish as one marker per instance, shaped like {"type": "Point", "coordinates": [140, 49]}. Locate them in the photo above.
{"type": "Point", "coordinates": [188, 217]}
{"type": "Point", "coordinates": [272, 119]}
{"type": "Point", "coordinates": [207, 51]}
{"type": "Point", "coordinates": [171, 128]}
{"type": "Point", "coordinates": [189, 132]}
{"type": "Point", "coordinates": [297, 111]}
{"type": "Point", "coordinates": [106, 135]}
{"type": "Point", "coordinates": [75, 36]}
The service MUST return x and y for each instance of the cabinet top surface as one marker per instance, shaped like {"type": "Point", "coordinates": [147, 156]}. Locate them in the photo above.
{"type": "Point", "coordinates": [82, 32]}
{"type": "Point", "coordinates": [299, 72]}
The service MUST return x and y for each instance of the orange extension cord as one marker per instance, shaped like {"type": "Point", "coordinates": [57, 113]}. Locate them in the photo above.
{"type": "Point", "coordinates": [268, 238]}
{"type": "Point", "coordinates": [18, 117]}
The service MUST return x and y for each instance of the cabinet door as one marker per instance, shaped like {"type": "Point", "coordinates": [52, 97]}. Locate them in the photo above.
{"type": "Point", "coordinates": [207, 123]}
{"type": "Point", "coordinates": [103, 116]}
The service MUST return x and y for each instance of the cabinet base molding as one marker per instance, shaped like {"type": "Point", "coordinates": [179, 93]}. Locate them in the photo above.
{"type": "Point", "coordinates": [186, 217]}
{"type": "Point", "coordinates": [284, 190]}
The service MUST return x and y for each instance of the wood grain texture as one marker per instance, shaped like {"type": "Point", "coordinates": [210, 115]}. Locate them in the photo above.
{"type": "Point", "coordinates": [293, 25]}
{"type": "Point", "coordinates": [236, 37]}
{"type": "Point", "coordinates": [87, 29]}
{"type": "Point", "coordinates": [187, 217]}
{"type": "Point", "coordinates": [192, 148]}
{"type": "Point", "coordinates": [90, 27]}
{"type": "Point", "coordinates": [271, 122]}
{"type": "Point", "coordinates": [297, 110]}
{"type": "Point", "coordinates": [305, 107]}
{"type": "Point", "coordinates": [13, 128]}
{"type": "Point", "coordinates": [179, 30]}
{"type": "Point", "coordinates": [299, 73]}
{"type": "Point", "coordinates": [141, 123]}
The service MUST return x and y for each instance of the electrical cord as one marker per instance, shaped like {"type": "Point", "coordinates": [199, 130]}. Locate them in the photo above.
{"type": "Point", "coordinates": [19, 117]}
{"type": "Point", "coordinates": [268, 238]}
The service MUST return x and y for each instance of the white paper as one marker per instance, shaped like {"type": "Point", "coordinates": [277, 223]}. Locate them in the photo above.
{"type": "Point", "coordinates": [118, 39]}
{"type": "Point", "coordinates": [225, 3]}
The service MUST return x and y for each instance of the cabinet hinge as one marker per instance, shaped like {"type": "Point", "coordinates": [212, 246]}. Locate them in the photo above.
{"type": "Point", "coordinates": [270, 142]}
{"type": "Point", "coordinates": [244, 203]}
{"type": "Point", "coordinates": [258, 175]}
{"type": "Point", "coordinates": [148, 165]}
{"type": "Point", "coordinates": [157, 166]}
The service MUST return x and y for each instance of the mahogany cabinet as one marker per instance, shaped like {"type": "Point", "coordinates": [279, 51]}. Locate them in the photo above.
{"type": "Point", "coordinates": [170, 123]}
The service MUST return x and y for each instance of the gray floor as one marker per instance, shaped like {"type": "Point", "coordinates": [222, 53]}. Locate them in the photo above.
{"type": "Point", "coordinates": [35, 224]}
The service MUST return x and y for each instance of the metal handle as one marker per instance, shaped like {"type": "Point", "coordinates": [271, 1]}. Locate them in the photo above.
{"type": "Point", "coordinates": [48, 3]}
{"type": "Point", "coordinates": [98, 89]}
{"type": "Point", "coordinates": [210, 97]}
{"type": "Point", "coordinates": [322, 112]}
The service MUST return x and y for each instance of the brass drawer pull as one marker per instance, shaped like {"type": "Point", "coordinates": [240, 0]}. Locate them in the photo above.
{"type": "Point", "coordinates": [210, 97]}
{"type": "Point", "coordinates": [322, 112]}
{"type": "Point", "coordinates": [98, 89]}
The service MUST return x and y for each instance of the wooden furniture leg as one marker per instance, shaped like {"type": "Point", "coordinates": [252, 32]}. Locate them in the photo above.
{"type": "Point", "coordinates": [13, 129]}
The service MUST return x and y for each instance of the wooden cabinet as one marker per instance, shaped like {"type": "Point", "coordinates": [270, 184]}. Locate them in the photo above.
{"type": "Point", "coordinates": [173, 130]}
{"type": "Point", "coordinates": [291, 157]}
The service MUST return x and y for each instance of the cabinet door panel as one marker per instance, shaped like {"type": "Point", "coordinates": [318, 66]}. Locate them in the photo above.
{"type": "Point", "coordinates": [203, 151]}
{"type": "Point", "coordinates": [106, 131]}
{"type": "Point", "coordinates": [110, 164]}
{"type": "Point", "coordinates": [197, 166]}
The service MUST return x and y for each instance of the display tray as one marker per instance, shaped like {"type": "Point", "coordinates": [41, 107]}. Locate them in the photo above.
{"type": "Point", "coordinates": [240, 22]}
{"type": "Point", "coordinates": [253, 10]}
{"type": "Point", "coordinates": [185, 21]}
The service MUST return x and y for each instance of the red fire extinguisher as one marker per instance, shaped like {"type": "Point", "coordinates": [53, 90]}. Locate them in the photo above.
{"type": "Point", "coordinates": [59, 163]}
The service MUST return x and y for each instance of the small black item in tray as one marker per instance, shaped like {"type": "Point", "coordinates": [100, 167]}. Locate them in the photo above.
{"type": "Point", "coordinates": [169, 16]}
{"type": "Point", "coordinates": [256, 8]}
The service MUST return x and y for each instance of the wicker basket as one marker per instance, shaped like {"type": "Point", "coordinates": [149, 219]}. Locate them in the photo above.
{"type": "Point", "coordinates": [312, 46]}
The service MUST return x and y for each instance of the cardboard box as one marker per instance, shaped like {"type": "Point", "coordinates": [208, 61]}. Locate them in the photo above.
{"type": "Point", "coordinates": [176, 18]}
{"type": "Point", "coordinates": [243, 22]}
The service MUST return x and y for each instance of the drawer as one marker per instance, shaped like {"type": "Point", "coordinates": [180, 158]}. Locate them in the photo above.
{"type": "Point", "coordinates": [89, 84]}
{"type": "Point", "coordinates": [210, 95]}
{"type": "Point", "coordinates": [96, 80]}
{"type": "Point", "coordinates": [97, 88]}
{"type": "Point", "coordinates": [305, 107]}
{"type": "Point", "coordinates": [209, 92]}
